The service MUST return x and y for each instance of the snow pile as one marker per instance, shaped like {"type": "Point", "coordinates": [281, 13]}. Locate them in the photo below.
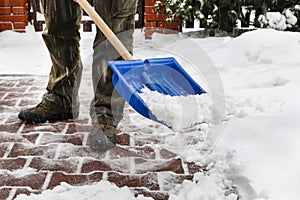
{"type": "Point", "coordinates": [183, 112]}
{"type": "Point", "coordinates": [26, 53]}
{"type": "Point", "coordinates": [266, 46]}
{"type": "Point", "coordinates": [23, 53]}
{"type": "Point", "coordinates": [221, 181]}
{"type": "Point", "coordinates": [180, 112]}
{"type": "Point", "coordinates": [203, 187]}
{"type": "Point", "coordinates": [103, 190]}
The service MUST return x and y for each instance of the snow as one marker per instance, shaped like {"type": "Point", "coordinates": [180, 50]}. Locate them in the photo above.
{"type": "Point", "coordinates": [290, 17]}
{"type": "Point", "coordinates": [20, 172]}
{"type": "Point", "coordinates": [103, 190]}
{"type": "Point", "coordinates": [204, 188]}
{"type": "Point", "coordinates": [278, 20]}
{"type": "Point", "coordinates": [253, 90]}
{"type": "Point", "coordinates": [183, 111]}
{"type": "Point", "coordinates": [35, 57]}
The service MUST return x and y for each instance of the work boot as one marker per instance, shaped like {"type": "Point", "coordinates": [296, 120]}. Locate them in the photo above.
{"type": "Point", "coordinates": [42, 114]}
{"type": "Point", "coordinates": [103, 137]}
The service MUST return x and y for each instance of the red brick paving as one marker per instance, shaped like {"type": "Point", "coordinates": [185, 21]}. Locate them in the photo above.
{"type": "Point", "coordinates": [57, 152]}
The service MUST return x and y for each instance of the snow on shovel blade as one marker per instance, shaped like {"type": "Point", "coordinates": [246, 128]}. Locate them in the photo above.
{"type": "Point", "coordinates": [164, 75]}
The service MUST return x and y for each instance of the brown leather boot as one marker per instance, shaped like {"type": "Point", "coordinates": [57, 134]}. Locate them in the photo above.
{"type": "Point", "coordinates": [42, 114]}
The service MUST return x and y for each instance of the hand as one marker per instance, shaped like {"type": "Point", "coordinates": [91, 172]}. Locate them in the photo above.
{"type": "Point", "coordinates": [75, 1]}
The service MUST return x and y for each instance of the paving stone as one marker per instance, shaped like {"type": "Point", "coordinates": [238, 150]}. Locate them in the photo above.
{"type": "Point", "coordinates": [7, 83]}
{"type": "Point", "coordinates": [18, 93]}
{"type": "Point", "coordinates": [146, 152]}
{"type": "Point", "coordinates": [4, 193]}
{"type": "Point", "coordinates": [74, 179]}
{"type": "Point", "coordinates": [12, 118]}
{"type": "Point", "coordinates": [123, 139]}
{"type": "Point", "coordinates": [12, 137]}
{"type": "Point", "coordinates": [166, 154]}
{"type": "Point", "coordinates": [13, 91]}
{"type": "Point", "coordinates": [157, 195]}
{"type": "Point", "coordinates": [9, 102]}
{"type": "Point", "coordinates": [76, 139]}
{"type": "Point", "coordinates": [12, 163]}
{"type": "Point", "coordinates": [144, 180]}
{"type": "Point", "coordinates": [47, 151]}
{"type": "Point", "coordinates": [124, 165]}
{"type": "Point", "coordinates": [31, 137]}
{"type": "Point", "coordinates": [11, 128]}
{"type": "Point", "coordinates": [144, 166]}
{"type": "Point", "coordinates": [2, 94]}
{"type": "Point", "coordinates": [75, 128]}
{"type": "Point", "coordinates": [45, 127]}
{"type": "Point", "coordinates": [140, 141]}
{"type": "Point", "coordinates": [3, 117]}
{"type": "Point", "coordinates": [90, 165]}
{"type": "Point", "coordinates": [63, 165]}
{"type": "Point", "coordinates": [29, 102]}
{"type": "Point", "coordinates": [34, 181]}
{"type": "Point", "coordinates": [3, 148]}
{"type": "Point", "coordinates": [8, 110]}
{"type": "Point", "coordinates": [48, 138]}
{"type": "Point", "coordinates": [25, 82]}
{"type": "Point", "coordinates": [69, 150]}
{"type": "Point", "coordinates": [35, 89]}
{"type": "Point", "coordinates": [24, 191]}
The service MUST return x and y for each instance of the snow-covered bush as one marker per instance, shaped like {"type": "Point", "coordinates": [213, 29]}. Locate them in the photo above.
{"type": "Point", "coordinates": [225, 14]}
{"type": "Point", "coordinates": [273, 20]}
{"type": "Point", "coordinates": [279, 21]}
{"type": "Point", "coordinates": [291, 19]}
{"type": "Point", "coordinates": [186, 10]}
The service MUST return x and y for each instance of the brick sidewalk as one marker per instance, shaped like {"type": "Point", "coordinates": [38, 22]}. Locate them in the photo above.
{"type": "Point", "coordinates": [34, 158]}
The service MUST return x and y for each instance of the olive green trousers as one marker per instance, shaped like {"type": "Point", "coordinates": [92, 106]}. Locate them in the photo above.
{"type": "Point", "coordinates": [62, 37]}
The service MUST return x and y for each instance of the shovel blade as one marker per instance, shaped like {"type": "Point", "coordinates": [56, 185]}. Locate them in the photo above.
{"type": "Point", "coordinates": [164, 75]}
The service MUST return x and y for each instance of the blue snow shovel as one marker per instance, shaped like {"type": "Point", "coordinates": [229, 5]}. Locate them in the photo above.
{"type": "Point", "coordinates": [164, 75]}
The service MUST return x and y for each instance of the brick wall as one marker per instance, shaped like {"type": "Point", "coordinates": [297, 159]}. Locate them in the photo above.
{"type": "Point", "coordinates": [156, 22]}
{"type": "Point", "coordinates": [13, 15]}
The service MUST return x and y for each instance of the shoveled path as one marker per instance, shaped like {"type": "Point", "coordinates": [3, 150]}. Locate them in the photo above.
{"type": "Point", "coordinates": [38, 157]}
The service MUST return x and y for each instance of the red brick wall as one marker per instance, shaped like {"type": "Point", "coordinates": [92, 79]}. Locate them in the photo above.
{"type": "Point", "coordinates": [156, 22]}
{"type": "Point", "coordinates": [13, 15]}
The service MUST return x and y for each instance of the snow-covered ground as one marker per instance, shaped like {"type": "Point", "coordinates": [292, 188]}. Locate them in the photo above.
{"type": "Point", "coordinates": [251, 121]}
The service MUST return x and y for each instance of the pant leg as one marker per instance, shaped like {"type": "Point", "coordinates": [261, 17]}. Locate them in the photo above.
{"type": "Point", "coordinates": [107, 105]}
{"type": "Point", "coordinates": [61, 36]}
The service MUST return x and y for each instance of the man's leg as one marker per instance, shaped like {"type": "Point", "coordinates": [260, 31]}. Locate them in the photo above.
{"type": "Point", "coordinates": [107, 105]}
{"type": "Point", "coordinates": [61, 37]}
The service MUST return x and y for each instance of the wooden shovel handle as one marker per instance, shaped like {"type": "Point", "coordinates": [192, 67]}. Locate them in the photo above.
{"type": "Point", "coordinates": [105, 30]}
